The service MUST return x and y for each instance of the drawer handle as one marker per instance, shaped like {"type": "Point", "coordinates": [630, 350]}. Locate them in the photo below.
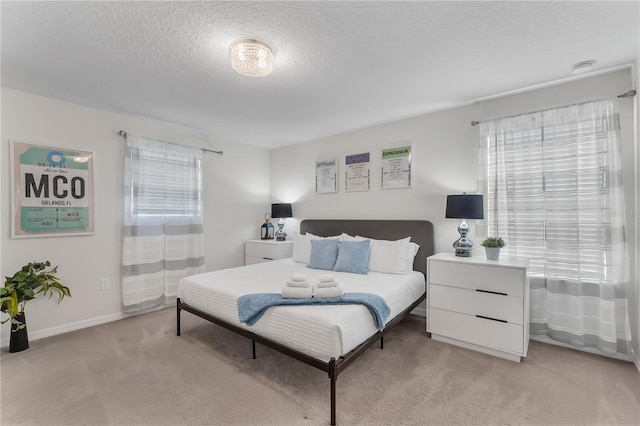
{"type": "Point", "coordinates": [267, 258]}
{"type": "Point", "coordinates": [492, 319]}
{"type": "Point", "coordinates": [492, 292]}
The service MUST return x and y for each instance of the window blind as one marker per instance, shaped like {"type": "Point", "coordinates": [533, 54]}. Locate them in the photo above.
{"type": "Point", "coordinates": [168, 184]}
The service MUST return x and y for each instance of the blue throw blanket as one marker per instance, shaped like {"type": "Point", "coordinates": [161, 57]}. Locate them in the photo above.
{"type": "Point", "coordinates": [251, 307]}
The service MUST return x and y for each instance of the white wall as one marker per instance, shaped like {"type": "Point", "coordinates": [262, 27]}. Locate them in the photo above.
{"type": "Point", "coordinates": [236, 194]}
{"type": "Point", "coordinates": [444, 162]}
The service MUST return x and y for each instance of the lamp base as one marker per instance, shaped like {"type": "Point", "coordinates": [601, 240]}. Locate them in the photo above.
{"type": "Point", "coordinates": [463, 246]}
{"type": "Point", "coordinates": [463, 253]}
{"type": "Point", "coordinates": [280, 234]}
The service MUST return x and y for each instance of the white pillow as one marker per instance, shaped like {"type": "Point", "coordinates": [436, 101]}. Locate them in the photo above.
{"type": "Point", "coordinates": [347, 237]}
{"type": "Point", "coordinates": [392, 257]}
{"type": "Point", "coordinates": [302, 246]}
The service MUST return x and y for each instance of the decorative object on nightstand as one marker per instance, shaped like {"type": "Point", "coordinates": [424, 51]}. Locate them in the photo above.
{"type": "Point", "coordinates": [492, 246]}
{"type": "Point", "coordinates": [465, 206]}
{"type": "Point", "coordinates": [266, 230]}
{"type": "Point", "coordinates": [479, 304]}
{"type": "Point", "coordinates": [281, 211]}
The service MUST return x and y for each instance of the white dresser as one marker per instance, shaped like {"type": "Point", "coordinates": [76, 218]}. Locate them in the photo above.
{"type": "Point", "coordinates": [479, 304]}
{"type": "Point", "coordinates": [256, 251]}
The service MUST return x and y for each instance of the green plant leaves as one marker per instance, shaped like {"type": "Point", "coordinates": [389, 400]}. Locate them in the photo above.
{"type": "Point", "coordinates": [493, 242]}
{"type": "Point", "coordinates": [32, 279]}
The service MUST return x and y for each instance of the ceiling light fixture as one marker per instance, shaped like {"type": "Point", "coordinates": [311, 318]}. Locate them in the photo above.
{"type": "Point", "coordinates": [582, 67]}
{"type": "Point", "coordinates": [252, 58]}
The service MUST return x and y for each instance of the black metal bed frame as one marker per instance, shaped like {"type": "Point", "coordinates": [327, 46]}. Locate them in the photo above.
{"type": "Point", "coordinates": [333, 367]}
{"type": "Point", "coordinates": [421, 232]}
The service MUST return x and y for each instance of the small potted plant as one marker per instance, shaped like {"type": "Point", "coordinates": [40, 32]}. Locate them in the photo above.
{"type": "Point", "coordinates": [32, 279]}
{"type": "Point", "coordinates": [492, 246]}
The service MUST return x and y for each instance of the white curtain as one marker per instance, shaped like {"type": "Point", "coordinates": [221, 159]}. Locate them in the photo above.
{"type": "Point", "coordinates": [163, 222]}
{"type": "Point", "coordinates": [552, 182]}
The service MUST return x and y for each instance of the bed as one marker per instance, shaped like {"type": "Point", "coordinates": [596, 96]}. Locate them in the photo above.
{"type": "Point", "coordinates": [327, 337]}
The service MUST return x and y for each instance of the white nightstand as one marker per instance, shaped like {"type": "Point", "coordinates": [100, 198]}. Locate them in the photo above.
{"type": "Point", "coordinates": [479, 304]}
{"type": "Point", "coordinates": [256, 251]}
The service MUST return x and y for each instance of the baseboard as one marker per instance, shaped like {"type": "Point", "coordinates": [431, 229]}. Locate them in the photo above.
{"type": "Point", "coordinates": [489, 351]}
{"type": "Point", "coordinates": [48, 332]}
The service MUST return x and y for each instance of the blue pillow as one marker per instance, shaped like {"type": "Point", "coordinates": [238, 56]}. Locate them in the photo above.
{"type": "Point", "coordinates": [324, 253]}
{"type": "Point", "coordinates": [353, 256]}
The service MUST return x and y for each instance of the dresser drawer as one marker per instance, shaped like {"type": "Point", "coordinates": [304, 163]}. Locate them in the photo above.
{"type": "Point", "coordinates": [467, 328]}
{"type": "Point", "coordinates": [471, 302]}
{"type": "Point", "coordinates": [475, 276]}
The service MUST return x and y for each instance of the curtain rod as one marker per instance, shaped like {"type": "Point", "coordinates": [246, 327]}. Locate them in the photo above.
{"type": "Point", "coordinates": [629, 94]}
{"type": "Point", "coordinates": [125, 134]}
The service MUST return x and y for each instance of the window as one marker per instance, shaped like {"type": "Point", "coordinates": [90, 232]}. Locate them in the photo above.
{"type": "Point", "coordinates": [163, 239]}
{"type": "Point", "coordinates": [168, 184]}
{"type": "Point", "coordinates": [554, 191]}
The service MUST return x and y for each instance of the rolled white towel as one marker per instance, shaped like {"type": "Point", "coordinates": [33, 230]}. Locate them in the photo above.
{"type": "Point", "coordinates": [326, 278]}
{"type": "Point", "coordinates": [302, 284]}
{"type": "Point", "coordinates": [327, 284]}
{"type": "Point", "coordinates": [297, 292]}
{"type": "Point", "coordinates": [324, 292]}
{"type": "Point", "coordinates": [296, 276]}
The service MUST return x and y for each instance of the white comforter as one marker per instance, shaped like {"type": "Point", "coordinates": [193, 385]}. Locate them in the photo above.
{"type": "Point", "coordinates": [319, 331]}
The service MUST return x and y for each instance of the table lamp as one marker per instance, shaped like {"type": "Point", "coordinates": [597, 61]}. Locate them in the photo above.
{"type": "Point", "coordinates": [281, 211]}
{"type": "Point", "coordinates": [465, 206]}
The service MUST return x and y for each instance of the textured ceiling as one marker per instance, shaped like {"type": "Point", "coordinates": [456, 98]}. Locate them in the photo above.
{"type": "Point", "coordinates": [339, 66]}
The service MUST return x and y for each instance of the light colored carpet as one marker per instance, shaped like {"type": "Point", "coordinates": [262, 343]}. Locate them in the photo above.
{"type": "Point", "coordinates": [138, 372]}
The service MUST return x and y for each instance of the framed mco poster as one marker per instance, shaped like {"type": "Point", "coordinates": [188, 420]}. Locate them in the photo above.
{"type": "Point", "coordinates": [52, 191]}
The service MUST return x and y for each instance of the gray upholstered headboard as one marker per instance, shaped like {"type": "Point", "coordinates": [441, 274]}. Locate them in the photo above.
{"type": "Point", "coordinates": [420, 231]}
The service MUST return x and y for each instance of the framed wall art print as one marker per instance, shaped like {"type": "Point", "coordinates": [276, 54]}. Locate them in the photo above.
{"type": "Point", "coordinates": [52, 191]}
{"type": "Point", "coordinates": [395, 167]}
{"type": "Point", "coordinates": [357, 175]}
{"type": "Point", "coordinates": [327, 176]}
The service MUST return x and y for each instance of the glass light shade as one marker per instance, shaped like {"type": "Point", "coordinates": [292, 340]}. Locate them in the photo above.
{"type": "Point", "coordinates": [252, 58]}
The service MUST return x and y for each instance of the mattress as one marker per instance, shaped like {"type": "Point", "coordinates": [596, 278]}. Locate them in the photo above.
{"type": "Point", "coordinates": [320, 331]}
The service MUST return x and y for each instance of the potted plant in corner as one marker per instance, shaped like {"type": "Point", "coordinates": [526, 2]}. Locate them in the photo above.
{"type": "Point", "coordinates": [34, 278]}
{"type": "Point", "coordinates": [492, 246]}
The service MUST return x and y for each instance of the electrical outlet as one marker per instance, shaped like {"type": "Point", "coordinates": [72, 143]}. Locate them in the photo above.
{"type": "Point", "coordinates": [104, 284]}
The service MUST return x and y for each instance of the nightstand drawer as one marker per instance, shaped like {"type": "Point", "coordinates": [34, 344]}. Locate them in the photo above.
{"type": "Point", "coordinates": [471, 302]}
{"type": "Point", "coordinates": [473, 276]}
{"type": "Point", "coordinates": [267, 251]}
{"type": "Point", "coordinates": [250, 260]}
{"type": "Point", "coordinates": [256, 251]}
{"type": "Point", "coordinates": [480, 331]}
